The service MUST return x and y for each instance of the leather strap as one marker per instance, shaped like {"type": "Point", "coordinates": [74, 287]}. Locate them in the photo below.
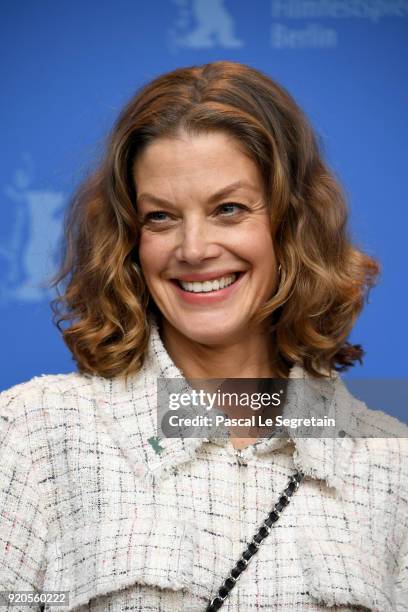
{"type": "Point", "coordinates": [253, 546]}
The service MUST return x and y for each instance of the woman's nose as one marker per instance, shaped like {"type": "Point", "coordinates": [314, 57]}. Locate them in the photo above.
{"type": "Point", "coordinates": [196, 243]}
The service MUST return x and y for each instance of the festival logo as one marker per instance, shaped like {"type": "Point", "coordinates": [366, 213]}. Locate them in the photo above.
{"type": "Point", "coordinates": [28, 255]}
{"type": "Point", "coordinates": [202, 24]}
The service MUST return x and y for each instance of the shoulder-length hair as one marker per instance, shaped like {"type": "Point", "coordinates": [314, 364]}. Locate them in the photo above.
{"type": "Point", "coordinates": [103, 308]}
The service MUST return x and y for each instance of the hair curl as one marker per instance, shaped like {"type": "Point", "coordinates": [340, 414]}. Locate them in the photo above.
{"type": "Point", "coordinates": [324, 278]}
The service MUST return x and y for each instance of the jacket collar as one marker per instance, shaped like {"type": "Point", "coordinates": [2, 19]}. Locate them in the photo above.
{"type": "Point", "coordinates": [129, 411]}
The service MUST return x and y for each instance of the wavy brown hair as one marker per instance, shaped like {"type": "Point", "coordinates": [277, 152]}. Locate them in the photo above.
{"type": "Point", "coordinates": [103, 307]}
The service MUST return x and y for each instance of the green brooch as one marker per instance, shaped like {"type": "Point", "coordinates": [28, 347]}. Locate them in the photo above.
{"type": "Point", "coordinates": [155, 444]}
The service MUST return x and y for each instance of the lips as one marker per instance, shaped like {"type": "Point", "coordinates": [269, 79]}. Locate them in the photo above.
{"type": "Point", "coordinates": [208, 285]}
{"type": "Point", "coordinates": [205, 276]}
{"type": "Point", "coordinates": [207, 295]}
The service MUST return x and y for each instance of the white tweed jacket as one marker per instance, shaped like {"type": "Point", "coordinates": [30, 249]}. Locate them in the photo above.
{"type": "Point", "coordinates": [91, 502]}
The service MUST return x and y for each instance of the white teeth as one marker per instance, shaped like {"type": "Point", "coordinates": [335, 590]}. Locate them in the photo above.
{"type": "Point", "coordinates": [207, 286]}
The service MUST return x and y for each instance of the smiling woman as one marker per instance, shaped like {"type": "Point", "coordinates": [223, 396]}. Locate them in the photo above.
{"type": "Point", "coordinates": [207, 258]}
{"type": "Point", "coordinates": [209, 254]}
{"type": "Point", "coordinates": [176, 152]}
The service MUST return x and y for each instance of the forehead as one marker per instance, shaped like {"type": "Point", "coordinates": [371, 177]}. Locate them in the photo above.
{"type": "Point", "coordinates": [200, 162]}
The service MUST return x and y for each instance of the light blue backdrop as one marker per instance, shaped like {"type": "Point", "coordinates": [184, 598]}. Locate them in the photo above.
{"type": "Point", "coordinates": [69, 66]}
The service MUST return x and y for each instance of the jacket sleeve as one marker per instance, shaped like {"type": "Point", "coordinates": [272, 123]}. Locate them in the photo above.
{"type": "Point", "coordinates": [22, 522]}
{"type": "Point", "coordinates": [401, 583]}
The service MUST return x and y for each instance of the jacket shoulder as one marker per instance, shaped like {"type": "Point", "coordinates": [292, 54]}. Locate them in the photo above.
{"type": "Point", "coordinates": [370, 423]}
{"type": "Point", "coordinates": [380, 456]}
{"type": "Point", "coordinates": [41, 391]}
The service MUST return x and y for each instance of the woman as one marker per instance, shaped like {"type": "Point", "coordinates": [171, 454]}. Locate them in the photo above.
{"type": "Point", "coordinates": [210, 244]}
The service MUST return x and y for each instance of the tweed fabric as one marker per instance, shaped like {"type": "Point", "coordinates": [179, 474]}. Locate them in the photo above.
{"type": "Point", "coordinates": [91, 505]}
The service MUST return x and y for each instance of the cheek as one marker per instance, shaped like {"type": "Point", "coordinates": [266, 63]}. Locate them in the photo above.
{"type": "Point", "coordinates": [153, 253]}
{"type": "Point", "coordinates": [263, 260]}
{"type": "Point", "coordinates": [255, 244]}
{"type": "Point", "coordinates": [265, 251]}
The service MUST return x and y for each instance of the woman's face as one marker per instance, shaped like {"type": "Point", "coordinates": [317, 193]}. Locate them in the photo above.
{"type": "Point", "coordinates": [205, 249]}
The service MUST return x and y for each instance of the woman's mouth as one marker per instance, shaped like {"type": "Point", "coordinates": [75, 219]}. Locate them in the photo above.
{"type": "Point", "coordinates": [208, 285]}
{"type": "Point", "coordinates": [208, 291]}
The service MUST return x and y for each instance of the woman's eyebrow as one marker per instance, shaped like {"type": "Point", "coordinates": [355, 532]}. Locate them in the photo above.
{"type": "Point", "coordinates": [221, 193]}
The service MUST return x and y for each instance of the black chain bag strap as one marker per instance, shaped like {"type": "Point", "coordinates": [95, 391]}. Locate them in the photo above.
{"type": "Point", "coordinates": [255, 543]}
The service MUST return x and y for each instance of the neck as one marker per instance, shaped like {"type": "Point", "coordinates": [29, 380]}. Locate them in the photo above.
{"type": "Point", "coordinates": [249, 357]}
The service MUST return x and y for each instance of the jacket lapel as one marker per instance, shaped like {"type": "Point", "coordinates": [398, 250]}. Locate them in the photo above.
{"type": "Point", "coordinates": [128, 410]}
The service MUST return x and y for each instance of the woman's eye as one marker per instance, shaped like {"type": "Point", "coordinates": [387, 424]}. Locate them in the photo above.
{"type": "Point", "coordinates": [157, 215]}
{"type": "Point", "coordinates": [160, 217]}
{"type": "Point", "coordinates": [230, 208]}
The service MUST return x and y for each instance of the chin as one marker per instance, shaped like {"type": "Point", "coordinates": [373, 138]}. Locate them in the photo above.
{"type": "Point", "coordinates": [211, 333]}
